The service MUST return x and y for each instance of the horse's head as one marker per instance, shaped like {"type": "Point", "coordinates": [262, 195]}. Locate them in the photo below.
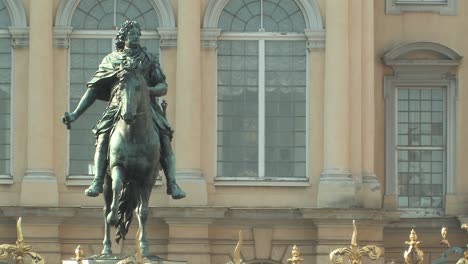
{"type": "Point", "coordinates": [130, 85]}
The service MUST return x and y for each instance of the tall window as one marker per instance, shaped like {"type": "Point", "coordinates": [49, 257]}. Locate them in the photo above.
{"type": "Point", "coordinates": [5, 91]}
{"type": "Point", "coordinates": [261, 90]}
{"type": "Point", "coordinates": [421, 146]}
{"type": "Point", "coordinates": [94, 28]}
{"type": "Point", "coordinates": [420, 104]}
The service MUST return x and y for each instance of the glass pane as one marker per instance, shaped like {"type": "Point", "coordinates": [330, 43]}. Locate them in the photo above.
{"type": "Point", "coordinates": [421, 114]}
{"type": "Point", "coordinates": [285, 109]}
{"type": "Point", "coordinates": [421, 123]}
{"type": "Point", "coordinates": [5, 21]}
{"type": "Point", "coordinates": [91, 14]}
{"type": "Point", "coordinates": [237, 122]}
{"type": "Point", "coordinates": [246, 16]}
{"type": "Point", "coordinates": [420, 179]}
{"type": "Point", "coordinates": [5, 103]}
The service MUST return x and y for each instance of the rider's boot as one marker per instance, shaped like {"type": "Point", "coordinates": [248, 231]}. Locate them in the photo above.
{"type": "Point", "coordinates": [168, 166]}
{"type": "Point", "coordinates": [100, 166]}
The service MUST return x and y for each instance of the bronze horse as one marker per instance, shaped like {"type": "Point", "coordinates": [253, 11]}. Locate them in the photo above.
{"type": "Point", "coordinates": [134, 152]}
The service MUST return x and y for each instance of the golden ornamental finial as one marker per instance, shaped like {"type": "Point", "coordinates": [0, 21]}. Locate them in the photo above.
{"type": "Point", "coordinates": [20, 250]}
{"type": "Point", "coordinates": [79, 254]}
{"type": "Point", "coordinates": [295, 259]}
{"type": "Point", "coordinates": [354, 236]}
{"type": "Point", "coordinates": [236, 256]}
{"type": "Point", "coordinates": [413, 255]}
{"type": "Point", "coordinates": [443, 233]}
{"type": "Point", "coordinates": [353, 252]}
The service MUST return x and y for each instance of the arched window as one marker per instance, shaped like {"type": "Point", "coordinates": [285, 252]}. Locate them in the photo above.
{"type": "Point", "coordinates": [5, 91]}
{"type": "Point", "coordinates": [262, 90]}
{"type": "Point", "coordinates": [94, 28]}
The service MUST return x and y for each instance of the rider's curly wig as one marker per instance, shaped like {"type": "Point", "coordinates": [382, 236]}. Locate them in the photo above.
{"type": "Point", "coordinates": [123, 31]}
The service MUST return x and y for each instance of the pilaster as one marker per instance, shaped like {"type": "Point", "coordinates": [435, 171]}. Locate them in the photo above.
{"type": "Point", "coordinates": [39, 186]}
{"type": "Point", "coordinates": [371, 186]}
{"type": "Point", "coordinates": [336, 177]}
{"type": "Point", "coordinates": [188, 96]}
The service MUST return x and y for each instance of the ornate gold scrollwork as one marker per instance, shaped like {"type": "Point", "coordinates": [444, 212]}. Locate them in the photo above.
{"type": "Point", "coordinates": [413, 255]}
{"type": "Point", "coordinates": [295, 259]}
{"type": "Point", "coordinates": [20, 250]}
{"type": "Point", "coordinates": [353, 252]}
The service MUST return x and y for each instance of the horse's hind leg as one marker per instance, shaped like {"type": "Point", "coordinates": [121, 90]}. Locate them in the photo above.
{"type": "Point", "coordinates": [142, 212]}
{"type": "Point", "coordinates": [107, 244]}
{"type": "Point", "coordinates": [117, 174]}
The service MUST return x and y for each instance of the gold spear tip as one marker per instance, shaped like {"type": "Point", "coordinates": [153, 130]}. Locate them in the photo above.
{"type": "Point", "coordinates": [19, 230]}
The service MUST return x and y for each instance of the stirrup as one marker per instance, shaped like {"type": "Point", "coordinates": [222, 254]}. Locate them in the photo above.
{"type": "Point", "coordinates": [175, 191]}
{"type": "Point", "coordinates": [94, 189]}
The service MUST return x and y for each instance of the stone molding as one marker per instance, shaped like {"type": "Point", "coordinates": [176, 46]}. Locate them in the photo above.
{"type": "Point", "coordinates": [337, 189]}
{"type": "Point", "coordinates": [17, 13]}
{"type": "Point", "coordinates": [19, 36]}
{"type": "Point", "coordinates": [189, 174]}
{"type": "Point", "coordinates": [418, 57]}
{"type": "Point", "coordinates": [62, 37]}
{"type": "Point", "coordinates": [209, 37]}
{"type": "Point", "coordinates": [167, 37]}
{"type": "Point", "coordinates": [397, 7]}
{"type": "Point", "coordinates": [315, 39]}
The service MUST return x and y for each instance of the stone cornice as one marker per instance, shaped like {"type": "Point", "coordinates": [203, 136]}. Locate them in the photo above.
{"type": "Point", "coordinates": [315, 39]}
{"type": "Point", "coordinates": [62, 37]}
{"type": "Point", "coordinates": [20, 36]}
{"type": "Point", "coordinates": [168, 37]}
{"type": "Point", "coordinates": [209, 37]}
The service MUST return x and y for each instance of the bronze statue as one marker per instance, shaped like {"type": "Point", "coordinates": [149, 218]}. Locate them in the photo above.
{"type": "Point", "coordinates": [102, 87]}
{"type": "Point", "coordinates": [133, 137]}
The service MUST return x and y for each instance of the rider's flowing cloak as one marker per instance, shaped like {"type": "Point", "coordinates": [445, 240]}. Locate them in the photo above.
{"type": "Point", "coordinates": [105, 81]}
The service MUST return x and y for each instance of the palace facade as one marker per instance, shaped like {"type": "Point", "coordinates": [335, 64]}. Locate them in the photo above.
{"type": "Point", "coordinates": [292, 118]}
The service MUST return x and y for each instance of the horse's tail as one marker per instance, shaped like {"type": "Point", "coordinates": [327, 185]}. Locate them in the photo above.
{"type": "Point", "coordinates": [128, 201]}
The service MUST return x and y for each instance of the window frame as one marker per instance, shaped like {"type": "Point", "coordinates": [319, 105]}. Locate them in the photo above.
{"type": "Point", "coordinates": [8, 178]}
{"type": "Point", "coordinates": [261, 179]}
{"type": "Point", "coordinates": [391, 85]}
{"type": "Point", "coordinates": [442, 7]}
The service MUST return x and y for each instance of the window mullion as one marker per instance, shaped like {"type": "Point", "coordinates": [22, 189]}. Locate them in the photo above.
{"type": "Point", "coordinates": [261, 108]}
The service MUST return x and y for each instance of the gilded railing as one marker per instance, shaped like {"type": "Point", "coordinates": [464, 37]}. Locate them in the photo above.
{"type": "Point", "coordinates": [19, 251]}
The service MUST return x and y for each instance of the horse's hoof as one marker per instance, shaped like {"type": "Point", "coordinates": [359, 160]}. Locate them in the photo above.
{"type": "Point", "coordinates": [144, 251]}
{"type": "Point", "coordinates": [94, 189]}
{"type": "Point", "coordinates": [106, 251]}
{"type": "Point", "coordinates": [175, 191]}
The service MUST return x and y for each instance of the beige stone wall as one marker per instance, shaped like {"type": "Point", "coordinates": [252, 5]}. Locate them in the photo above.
{"type": "Point", "coordinates": [344, 140]}
{"type": "Point", "coordinates": [394, 30]}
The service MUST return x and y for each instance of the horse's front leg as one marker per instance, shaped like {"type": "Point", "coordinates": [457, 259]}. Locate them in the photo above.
{"type": "Point", "coordinates": [142, 213]}
{"type": "Point", "coordinates": [107, 244]}
{"type": "Point", "coordinates": [118, 175]}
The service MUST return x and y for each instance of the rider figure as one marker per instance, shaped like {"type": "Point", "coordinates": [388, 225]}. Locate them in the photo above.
{"type": "Point", "coordinates": [100, 87]}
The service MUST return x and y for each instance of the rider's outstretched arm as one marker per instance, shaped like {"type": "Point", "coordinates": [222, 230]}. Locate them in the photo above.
{"type": "Point", "coordinates": [88, 98]}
